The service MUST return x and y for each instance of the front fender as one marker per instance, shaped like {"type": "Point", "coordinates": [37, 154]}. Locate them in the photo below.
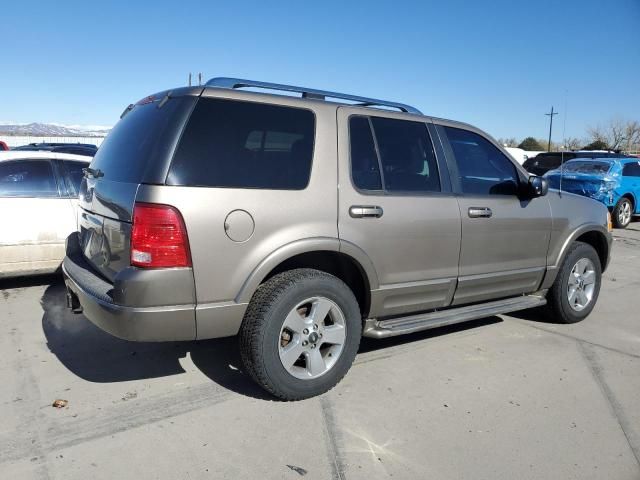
{"type": "Point", "coordinates": [556, 261]}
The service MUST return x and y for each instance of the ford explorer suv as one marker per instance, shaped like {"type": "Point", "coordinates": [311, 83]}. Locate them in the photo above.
{"type": "Point", "coordinates": [302, 221]}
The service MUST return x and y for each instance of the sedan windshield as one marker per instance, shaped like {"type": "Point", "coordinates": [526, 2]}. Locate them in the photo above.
{"type": "Point", "coordinates": [587, 167]}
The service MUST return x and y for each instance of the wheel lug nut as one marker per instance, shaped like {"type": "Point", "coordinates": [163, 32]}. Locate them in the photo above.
{"type": "Point", "coordinates": [305, 343]}
{"type": "Point", "coordinates": [320, 335]}
{"type": "Point", "coordinates": [306, 331]}
{"type": "Point", "coordinates": [315, 327]}
{"type": "Point", "coordinates": [313, 346]}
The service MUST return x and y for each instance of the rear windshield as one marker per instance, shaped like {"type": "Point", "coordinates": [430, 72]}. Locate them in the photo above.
{"type": "Point", "coordinates": [586, 167]}
{"type": "Point", "coordinates": [236, 144]}
{"type": "Point", "coordinates": [142, 140]}
{"type": "Point", "coordinates": [551, 160]}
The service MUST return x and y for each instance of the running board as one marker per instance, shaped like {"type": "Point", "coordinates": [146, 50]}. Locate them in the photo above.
{"type": "Point", "coordinates": [399, 326]}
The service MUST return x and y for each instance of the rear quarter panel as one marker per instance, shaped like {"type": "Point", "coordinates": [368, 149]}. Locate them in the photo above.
{"type": "Point", "coordinates": [221, 266]}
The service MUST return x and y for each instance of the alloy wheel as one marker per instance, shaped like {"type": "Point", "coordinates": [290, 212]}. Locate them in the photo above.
{"type": "Point", "coordinates": [581, 284]}
{"type": "Point", "coordinates": [624, 215]}
{"type": "Point", "coordinates": [312, 338]}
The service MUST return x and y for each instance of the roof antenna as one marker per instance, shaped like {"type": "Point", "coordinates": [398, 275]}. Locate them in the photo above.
{"type": "Point", "coordinates": [564, 139]}
{"type": "Point", "coordinates": [200, 79]}
{"type": "Point", "coordinates": [189, 78]}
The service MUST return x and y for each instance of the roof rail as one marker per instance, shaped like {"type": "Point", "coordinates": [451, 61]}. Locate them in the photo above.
{"type": "Point", "coordinates": [225, 82]}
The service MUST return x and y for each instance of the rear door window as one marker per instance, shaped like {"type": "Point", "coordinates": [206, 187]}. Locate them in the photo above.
{"type": "Point", "coordinates": [407, 156]}
{"type": "Point", "coordinates": [237, 144]}
{"type": "Point", "coordinates": [365, 169]}
{"type": "Point", "coordinates": [27, 178]}
{"type": "Point", "coordinates": [482, 168]}
{"type": "Point", "coordinates": [401, 148]}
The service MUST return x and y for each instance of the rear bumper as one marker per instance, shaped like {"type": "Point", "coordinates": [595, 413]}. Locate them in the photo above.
{"type": "Point", "coordinates": [97, 298]}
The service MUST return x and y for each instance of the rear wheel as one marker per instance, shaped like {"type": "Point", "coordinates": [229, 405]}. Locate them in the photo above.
{"type": "Point", "coordinates": [300, 333]}
{"type": "Point", "coordinates": [577, 286]}
{"type": "Point", "coordinates": [622, 213]}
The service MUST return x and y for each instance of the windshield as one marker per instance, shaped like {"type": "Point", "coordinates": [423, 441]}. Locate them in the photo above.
{"type": "Point", "coordinates": [586, 167]}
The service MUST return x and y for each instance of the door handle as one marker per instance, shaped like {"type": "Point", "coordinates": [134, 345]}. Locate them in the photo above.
{"type": "Point", "coordinates": [480, 212]}
{"type": "Point", "coordinates": [365, 211]}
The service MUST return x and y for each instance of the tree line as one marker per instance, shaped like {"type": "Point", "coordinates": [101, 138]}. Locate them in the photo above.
{"type": "Point", "coordinates": [617, 135]}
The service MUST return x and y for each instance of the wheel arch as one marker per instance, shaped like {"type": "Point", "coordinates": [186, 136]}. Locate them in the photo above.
{"type": "Point", "coordinates": [345, 261]}
{"type": "Point", "coordinates": [632, 197]}
{"type": "Point", "coordinates": [599, 243]}
{"type": "Point", "coordinates": [595, 235]}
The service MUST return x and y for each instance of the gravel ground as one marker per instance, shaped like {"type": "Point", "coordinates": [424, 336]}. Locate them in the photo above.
{"type": "Point", "coordinates": [501, 398]}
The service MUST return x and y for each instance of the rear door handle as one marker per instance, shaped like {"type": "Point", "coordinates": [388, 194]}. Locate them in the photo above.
{"type": "Point", "coordinates": [480, 212]}
{"type": "Point", "coordinates": [365, 211]}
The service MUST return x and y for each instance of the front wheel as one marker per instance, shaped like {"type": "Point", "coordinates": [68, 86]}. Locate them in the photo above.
{"type": "Point", "coordinates": [622, 213]}
{"type": "Point", "coordinates": [577, 286]}
{"type": "Point", "coordinates": [300, 333]}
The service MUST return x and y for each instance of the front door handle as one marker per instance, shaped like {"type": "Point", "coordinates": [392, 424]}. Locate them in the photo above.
{"type": "Point", "coordinates": [480, 212]}
{"type": "Point", "coordinates": [365, 211]}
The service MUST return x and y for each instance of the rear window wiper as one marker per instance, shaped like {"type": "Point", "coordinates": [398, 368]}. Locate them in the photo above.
{"type": "Point", "coordinates": [92, 172]}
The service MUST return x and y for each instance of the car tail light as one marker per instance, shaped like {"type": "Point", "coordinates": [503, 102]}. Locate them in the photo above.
{"type": "Point", "coordinates": [158, 237]}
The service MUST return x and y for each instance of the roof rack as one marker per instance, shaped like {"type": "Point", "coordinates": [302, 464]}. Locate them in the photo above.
{"type": "Point", "coordinates": [311, 93]}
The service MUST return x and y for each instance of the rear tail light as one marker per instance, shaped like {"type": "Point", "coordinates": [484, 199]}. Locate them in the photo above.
{"type": "Point", "coordinates": [158, 237]}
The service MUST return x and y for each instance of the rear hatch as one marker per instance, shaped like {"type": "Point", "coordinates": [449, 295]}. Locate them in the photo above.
{"type": "Point", "coordinates": [137, 151]}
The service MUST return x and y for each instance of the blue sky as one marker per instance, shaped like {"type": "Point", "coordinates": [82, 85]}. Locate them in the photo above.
{"type": "Point", "coordinates": [497, 64]}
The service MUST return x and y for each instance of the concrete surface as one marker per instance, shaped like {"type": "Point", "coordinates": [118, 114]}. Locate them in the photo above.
{"type": "Point", "coordinates": [502, 398]}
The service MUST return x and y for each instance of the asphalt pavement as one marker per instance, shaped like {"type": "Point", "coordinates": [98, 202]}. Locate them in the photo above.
{"type": "Point", "coordinates": [500, 398]}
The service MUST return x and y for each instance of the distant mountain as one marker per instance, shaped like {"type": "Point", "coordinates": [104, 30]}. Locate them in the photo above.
{"type": "Point", "coordinates": [53, 130]}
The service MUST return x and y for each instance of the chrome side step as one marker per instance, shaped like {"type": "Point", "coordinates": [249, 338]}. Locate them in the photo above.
{"type": "Point", "coordinates": [398, 326]}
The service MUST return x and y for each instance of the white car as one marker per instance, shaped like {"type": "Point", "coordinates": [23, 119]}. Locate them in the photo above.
{"type": "Point", "coordinates": [38, 202]}
{"type": "Point", "coordinates": [518, 154]}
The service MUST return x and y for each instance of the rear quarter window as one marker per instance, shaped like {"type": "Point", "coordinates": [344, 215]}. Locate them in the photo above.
{"type": "Point", "coordinates": [237, 144]}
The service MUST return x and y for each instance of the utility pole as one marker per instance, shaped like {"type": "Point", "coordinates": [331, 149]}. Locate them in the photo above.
{"type": "Point", "coordinates": [550, 115]}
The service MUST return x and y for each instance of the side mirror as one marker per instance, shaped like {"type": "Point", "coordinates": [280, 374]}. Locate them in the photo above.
{"type": "Point", "coordinates": [538, 186]}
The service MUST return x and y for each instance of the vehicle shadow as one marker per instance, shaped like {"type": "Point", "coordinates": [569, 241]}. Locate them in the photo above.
{"type": "Point", "coordinates": [538, 315]}
{"type": "Point", "coordinates": [98, 357]}
{"type": "Point", "coordinates": [28, 281]}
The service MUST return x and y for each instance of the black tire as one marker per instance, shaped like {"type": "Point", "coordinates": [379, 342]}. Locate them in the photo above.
{"type": "Point", "coordinates": [619, 220]}
{"type": "Point", "coordinates": [261, 331]}
{"type": "Point", "coordinates": [558, 306]}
